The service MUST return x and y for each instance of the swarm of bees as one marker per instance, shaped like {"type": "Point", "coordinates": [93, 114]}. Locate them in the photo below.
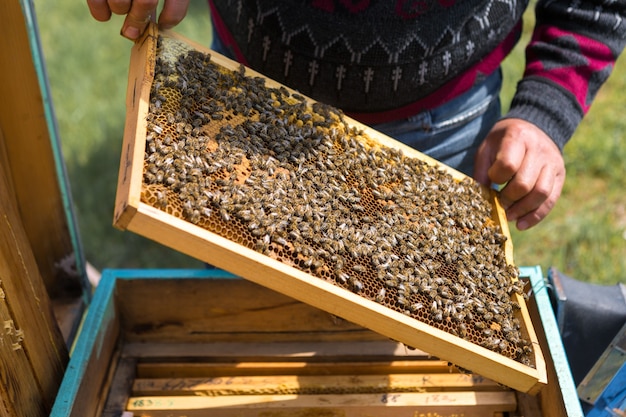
{"type": "Point", "coordinates": [291, 179]}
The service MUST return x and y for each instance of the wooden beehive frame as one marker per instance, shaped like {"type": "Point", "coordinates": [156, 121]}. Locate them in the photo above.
{"type": "Point", "coordinates": [134, 215]}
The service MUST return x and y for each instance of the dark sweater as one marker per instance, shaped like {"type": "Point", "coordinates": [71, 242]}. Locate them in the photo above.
{"type": "Point", "coordinates": [383, 60]}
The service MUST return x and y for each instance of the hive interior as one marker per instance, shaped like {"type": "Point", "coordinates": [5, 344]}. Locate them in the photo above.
{"type": "Point", "coordinates": [290, 178]}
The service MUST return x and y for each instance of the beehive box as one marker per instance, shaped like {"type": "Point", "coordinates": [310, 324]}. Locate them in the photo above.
{"type": "Point", "coordinates": [238, 171]}
{"type": "Point", "coordinates": [203, 342]}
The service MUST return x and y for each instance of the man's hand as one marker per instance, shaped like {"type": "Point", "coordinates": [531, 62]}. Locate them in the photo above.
{"type": "Point", "coordinates": [139, 13]}
{"type": "Point", "coordinates": [521, 156]}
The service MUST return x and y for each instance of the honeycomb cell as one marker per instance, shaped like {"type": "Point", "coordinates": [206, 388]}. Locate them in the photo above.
{"type": "Point", "coordinates": [292, 180]}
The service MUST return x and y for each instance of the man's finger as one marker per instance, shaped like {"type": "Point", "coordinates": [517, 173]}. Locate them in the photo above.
{"type": "Point", "coordinates": [508, 161]}
{"type": "Point", "coordinates": [99, 9]}
{"type": "Point", "coordinates": [173, 12]}
{"type": "Point", "coordinates": [120, 7]}
{"type": "Point", "coordinates": [138, 17]}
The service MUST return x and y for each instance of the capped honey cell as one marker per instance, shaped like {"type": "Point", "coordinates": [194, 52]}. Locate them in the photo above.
{"type": "Point", "coordinates": [276, 173]}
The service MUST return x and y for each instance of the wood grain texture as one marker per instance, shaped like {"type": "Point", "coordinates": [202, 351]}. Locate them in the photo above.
{"type": "Point", "coordinates": [140, 76]}
{"type": "Point", "coordinates": [272, 384]}
{"type": "Point", "coordinates": [382, 405]}
{"type": "Point", "coordinates": [30, 153]}
{"type": "Point", "coordinates": [277, 367]}
{"type": "Point", "coordinates": [228, 310]}
{"type": "Point", "coordinates": [304, 347]}
{"type": "Point", "coordinates": [18, 383]}
{"type": "Point", "coordinates": [34, 354]}
{"type": "Point", "coordinates": [93, 364]}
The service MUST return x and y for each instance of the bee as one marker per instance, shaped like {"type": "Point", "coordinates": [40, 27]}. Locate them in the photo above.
{"type": "Point", "coordinates": [438, 315]}
{"type": "Point", "coordinates": [502, 346]}
{"type": "Point", "coordinates": [401, 300]}
{"type": "Point", "coordinates": [281, 241]}
{"type": "Point", "coordinates": [444, 292]}
{"type": "Point", "coordinates": [342, 277]}
{"type": "Point", "coordinates": [380, 296]}
{"type": "Point", "coordinates": [416, 306]}
{"type": "Point", "coordinates": [161, 201]}
{"type": "Point", "coordinates": [391, 283]}
{"type": "Point", "coordinates": [149, 177]}
{"type": "Point", "coordinates": [194, 216]}
{"type": "Point", "coordinates": [357, 286]}
{"type": "Point", "coordinates": [462, 329]}
{"type": "Point", "coordinates": [224, 214]}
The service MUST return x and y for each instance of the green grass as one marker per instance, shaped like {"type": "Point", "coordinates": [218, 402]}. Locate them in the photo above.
{"type": "Point", "coordinates": [87, 63]}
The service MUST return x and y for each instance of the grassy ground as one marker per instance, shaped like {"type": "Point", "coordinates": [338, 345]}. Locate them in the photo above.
{"type": "Point", "coordinates": [87, 62]}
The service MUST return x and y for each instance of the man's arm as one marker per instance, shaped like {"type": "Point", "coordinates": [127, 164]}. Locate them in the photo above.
{"type": "Point", "coordinates": [571, 54]}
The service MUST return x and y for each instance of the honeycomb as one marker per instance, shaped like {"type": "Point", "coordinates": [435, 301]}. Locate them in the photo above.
{"type": "Point", "coordinates": [264, 167]}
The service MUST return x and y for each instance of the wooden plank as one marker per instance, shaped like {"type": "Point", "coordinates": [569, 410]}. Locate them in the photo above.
{"type": "Point", "coordinates": [186, 369]}
{"type": "Point", "coordinates": [30, 315]}
{"type": "Point", "coordinates": [87, 397]}
{"type": "Point", "coordinates": [4, 407]}
{"type": "Point", "coordinates": [313, 351]}
{"type": "Point", "coordinates": [227, 310]}
{"type": "Point", "coordinates": [30, 152]}
{"type": "Point", "coordinates": [121, 384]}
{"type": "Point", "coordinates": [6, 169]}
{"type": "Point", "coordinates": [187, 238]}
{"type": "Point", "coordinates": [86, 382]}
{"type": "Point", "coordinates": [604, 371]}
{"type": "Point", "coordinates": [383, 405]}
{"type": "Point", "coordinates": [528, 405]}
{"type": "Point", "coordinates": [68, 312]}
{"type": "Point", "coordinates": [322, 384]}
{"type": "Point", "coordinates": [20, 395]}
{"type": "Point", "coordinates": [140, 76]}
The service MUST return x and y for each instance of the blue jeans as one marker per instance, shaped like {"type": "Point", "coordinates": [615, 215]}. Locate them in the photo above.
{"type": "Point", "coordinates": [452, 132]}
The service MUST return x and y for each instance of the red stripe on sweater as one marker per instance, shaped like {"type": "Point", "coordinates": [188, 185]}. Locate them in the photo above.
{"type": "Point", "coordinates": [572, 72]}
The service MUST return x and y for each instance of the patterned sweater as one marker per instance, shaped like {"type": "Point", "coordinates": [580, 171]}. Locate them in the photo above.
{"type": "Point", "coordinates": [383, 60]}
